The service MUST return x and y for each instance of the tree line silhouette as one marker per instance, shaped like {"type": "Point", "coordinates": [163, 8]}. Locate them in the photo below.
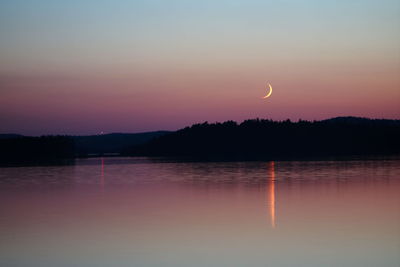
{"type": "Point", "coordinates": [267, 139]}
{"type": "Point", "coordinates": [32, 150]}
{"type": "Point", "coordinates": [250, 140]}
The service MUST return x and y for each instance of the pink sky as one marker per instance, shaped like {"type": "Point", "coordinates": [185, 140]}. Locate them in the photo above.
{"type": "Point", "coordinates": [76, 74]}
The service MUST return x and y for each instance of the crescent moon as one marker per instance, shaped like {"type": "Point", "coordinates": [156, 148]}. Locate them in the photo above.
{"type": "Point", "coordinates": [270, 91]}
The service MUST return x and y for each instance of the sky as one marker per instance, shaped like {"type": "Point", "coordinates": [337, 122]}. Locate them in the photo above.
{"type": "Point", "coordinates": [85, 67]}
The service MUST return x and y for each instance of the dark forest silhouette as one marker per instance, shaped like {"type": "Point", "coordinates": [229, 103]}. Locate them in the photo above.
{"type": "Point", "coordinates": [250, 140]}
{"type": "Point", "coordinates": [36, 150]}
{"type": "Point", "coordinates": [18, 149]}
{"type": "Point", "coordinates": [114, 143]}
{"type": "Point", "coordinates": [267, 139]}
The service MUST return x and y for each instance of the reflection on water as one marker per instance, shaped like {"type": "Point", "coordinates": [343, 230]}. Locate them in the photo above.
{"type": "Point", "coordinates": [102, 174]}
{"type": "Point", "coordinates": [271, 191]}
{"type": "Point", "coordinates": [138, 212]}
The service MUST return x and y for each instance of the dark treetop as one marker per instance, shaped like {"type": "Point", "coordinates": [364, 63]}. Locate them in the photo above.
{"type": "Point", "coordinates": [267, 139]}
{"type": "Point", "coordinates": [249, 140]}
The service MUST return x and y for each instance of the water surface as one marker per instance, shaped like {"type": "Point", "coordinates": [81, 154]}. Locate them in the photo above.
{"type": "Point", "coordinates": [138, 212]}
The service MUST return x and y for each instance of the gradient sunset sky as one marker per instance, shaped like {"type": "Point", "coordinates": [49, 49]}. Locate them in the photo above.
{"type": "Point", "coordinates": [83, 67]}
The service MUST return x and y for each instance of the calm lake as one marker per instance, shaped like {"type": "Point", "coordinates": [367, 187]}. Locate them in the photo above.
{"type": "Point", "coordinates": [139, 212]}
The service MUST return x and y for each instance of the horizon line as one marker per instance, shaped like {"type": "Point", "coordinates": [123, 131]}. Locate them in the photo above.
{"type": "Point", "coordinates": [196, 123]}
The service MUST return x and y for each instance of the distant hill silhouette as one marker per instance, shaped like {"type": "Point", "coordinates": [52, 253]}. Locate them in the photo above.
{"type": "Point", "coordinates": [251, 139]}
{"type": "Point", "coordinates": [365, 121]}
{"type": "Point", "coordinates": [10, 136]}
{"type": "Point", "coordinates": [36, 150]}
{"type": "Point", "coordinates": [267, 139]}
{"type": "Point", "coordinates": [17, 149]}
{"type": "Point", "coordinates": [111, 143]}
